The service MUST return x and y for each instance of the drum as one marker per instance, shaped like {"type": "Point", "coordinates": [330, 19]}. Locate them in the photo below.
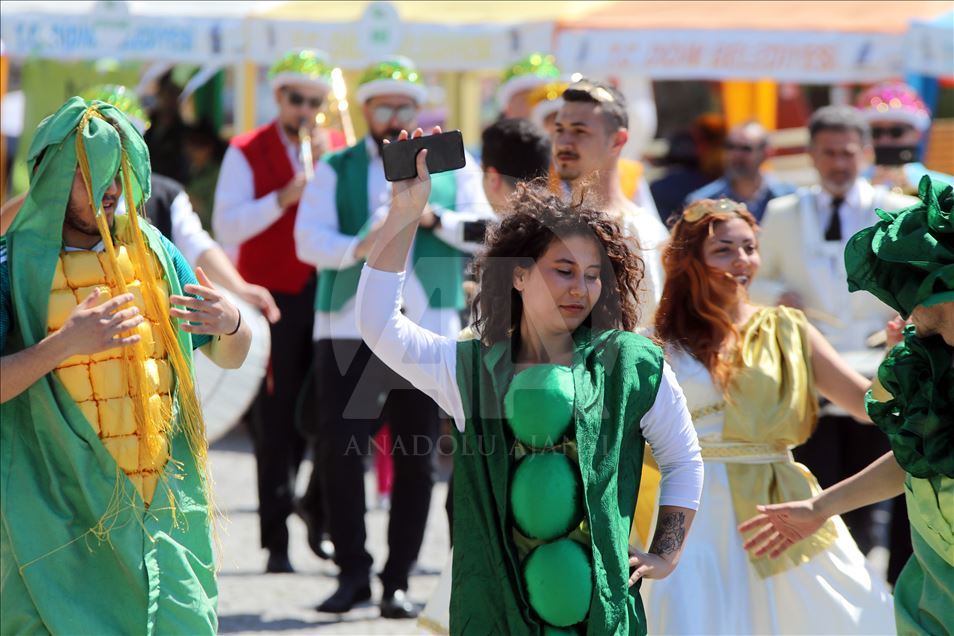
{"type": "Point", "coordinates": [225, 394]}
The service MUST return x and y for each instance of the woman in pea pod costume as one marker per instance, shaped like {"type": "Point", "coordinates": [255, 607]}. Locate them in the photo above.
{"type": "Point", "coordinates": [552, 405]}
{"type": "Point", "coordinates": [906, 259]}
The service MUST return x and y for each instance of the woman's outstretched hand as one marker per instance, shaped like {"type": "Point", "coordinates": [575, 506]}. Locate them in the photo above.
{"type": "Point", "coordinates": [780, 526]}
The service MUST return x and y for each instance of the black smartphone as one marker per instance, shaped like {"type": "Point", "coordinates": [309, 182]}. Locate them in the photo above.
{"type": "Point", "coordinates": [444, 152]}
{"type": "Point", "coordinates": [895, 155]}
{"type": "Point", "coordinates": [475, 231]}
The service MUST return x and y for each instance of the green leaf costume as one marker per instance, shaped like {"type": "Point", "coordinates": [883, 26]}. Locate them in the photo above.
{"type": "Point", "coordinates": [907, 260]}
{"type": "Point", "coordinates": [79, 550]}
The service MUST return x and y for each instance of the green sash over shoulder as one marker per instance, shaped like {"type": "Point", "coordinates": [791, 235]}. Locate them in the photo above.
{"type": "Point", "coordinates": [441, 266]}
{"type": "Point", "coordinates": [616, 376]}
{"type": "Point", "coordinates": [72, 561]}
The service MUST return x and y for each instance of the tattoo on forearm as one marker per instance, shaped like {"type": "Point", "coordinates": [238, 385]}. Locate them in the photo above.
{"type": "Point", "coordinates": [670, 533]}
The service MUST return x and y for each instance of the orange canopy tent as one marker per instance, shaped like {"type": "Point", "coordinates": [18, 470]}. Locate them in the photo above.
{"type": "Point", "coordinates": [785, 41]}
{"type": "Point", "coordinates": [780, 15]}
{"type": "Point", "coordinates": [747, 45]}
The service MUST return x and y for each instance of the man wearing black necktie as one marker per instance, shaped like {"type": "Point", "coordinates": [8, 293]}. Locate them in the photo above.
{"type": "Point", "coordinates": [833, 231]}
{"type": "Point", "coordinates": [802, 248]}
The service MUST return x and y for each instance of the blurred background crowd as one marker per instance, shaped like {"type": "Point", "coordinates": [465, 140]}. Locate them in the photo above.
{"type": "Point", "coordinates": [689, 73]}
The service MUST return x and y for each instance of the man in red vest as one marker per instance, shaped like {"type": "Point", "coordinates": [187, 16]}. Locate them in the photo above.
{"type": "Point", "coordinates": [256, 203]}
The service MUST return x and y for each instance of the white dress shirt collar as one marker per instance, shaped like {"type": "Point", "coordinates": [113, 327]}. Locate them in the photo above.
{"type": "Point", "coordinates": [854, 198]}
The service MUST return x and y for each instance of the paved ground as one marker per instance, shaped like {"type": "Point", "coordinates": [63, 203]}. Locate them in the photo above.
{"type": "Point", "coordinates": [251, 602]}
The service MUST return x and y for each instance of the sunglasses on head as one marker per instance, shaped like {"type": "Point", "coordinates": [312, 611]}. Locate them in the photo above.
{"type": "Point", "coordinates": [595, 92]}
{"type": "Point", "coordinates": [699, 210]}
{"type": "Point", "coordinates": [403, 114]}
{"type": "Point", "coordinates": [297, 99]}
{"type": "Point", "coordinates": [892, 132]}
{"type": "Point", "coordinates": [741, 147]}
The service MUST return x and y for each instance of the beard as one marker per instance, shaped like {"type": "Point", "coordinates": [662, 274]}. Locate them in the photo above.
{"type": "Point", "coordinates": [740, 172]}
{"type": "Point", "coordinates": [568, 174]}
{"type": "Point", "coordinates": [391, 134]}
{"type": "Point", "coordinates": [290, 131]}
{"type": "Point", "coordinates": [75, 217]}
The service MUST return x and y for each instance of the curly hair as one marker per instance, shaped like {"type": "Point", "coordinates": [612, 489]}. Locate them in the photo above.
{"type": "Point", "coordinates": [537, 218]}
{"type": "Point", "coordinates": [691, 313]}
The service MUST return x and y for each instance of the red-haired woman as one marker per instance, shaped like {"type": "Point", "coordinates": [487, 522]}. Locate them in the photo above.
{"type": "Point", "coordinates": [750, 375]}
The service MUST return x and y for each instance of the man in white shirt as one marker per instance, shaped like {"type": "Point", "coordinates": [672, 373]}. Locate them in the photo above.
{"type": "Point", "coordinates": [802, 245]}
{"type": "Point", "coordinates": [334, 231]}
{"type": "Point", "coordinates": [256, 203]}
{"type": "Point", "coordinates": [591, 130]}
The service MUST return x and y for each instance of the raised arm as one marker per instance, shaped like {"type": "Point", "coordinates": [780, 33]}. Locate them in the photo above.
{"type": "Point", "coordinates": [667, 426]}
{"type": "Point", "coordinates": [424, 358]}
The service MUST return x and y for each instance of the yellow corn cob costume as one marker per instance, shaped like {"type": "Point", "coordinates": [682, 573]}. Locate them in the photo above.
{"type": "Point", "coordinates": [100, 383]}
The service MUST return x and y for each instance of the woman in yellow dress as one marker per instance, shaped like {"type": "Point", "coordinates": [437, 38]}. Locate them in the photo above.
{"type": "Point", "coordinates": [750, 376]}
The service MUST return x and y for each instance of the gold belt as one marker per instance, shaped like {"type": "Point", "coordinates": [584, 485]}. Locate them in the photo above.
{"type": "Point", "coordinates": [717, 450]}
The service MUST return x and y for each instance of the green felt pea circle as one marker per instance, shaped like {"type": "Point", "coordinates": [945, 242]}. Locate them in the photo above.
{"type": "Point", "coordinates": [559, 578]}
{"type": "Point", "coordinates": [546, 496]}
{"type": "Point", "coordinates": [539, 405]}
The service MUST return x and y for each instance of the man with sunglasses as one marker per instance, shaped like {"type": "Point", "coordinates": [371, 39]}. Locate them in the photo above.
{"type": "Point", "coordinates": [899, 120]}
{"type": "Point", "coordinates": [334, 231]}
{"type": "Point", "coordinates": [256, 202]}
{"type": "Point", "coordinates": [746, 148]}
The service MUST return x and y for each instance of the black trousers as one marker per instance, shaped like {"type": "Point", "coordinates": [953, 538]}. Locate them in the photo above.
{"type": "Point", "coordinates": [356, 393]}
{"type": "Point", "coordinates": [839, 448]}
{"type": "Point", "coordinates": [279, 445]}
{"type": "Point", "coordinates": [899, 542]}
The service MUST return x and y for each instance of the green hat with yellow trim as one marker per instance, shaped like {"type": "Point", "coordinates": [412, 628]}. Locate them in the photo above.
{"type": "Point", "coordinates": [907, 258]}
{"type": "Point", "coordinates": [532, 71]}
{"type": "Point", "coordinates": [307, 66]}
{"type": "Point", "coordinates": [124, 99]}
{"type": "Point", "coordinates": [395, 75]}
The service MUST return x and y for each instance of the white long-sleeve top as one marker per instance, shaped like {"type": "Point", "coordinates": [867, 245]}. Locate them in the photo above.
{"type": "Point", "coordinates": [320, 242]}
{"type": "Point", "coordinates": [238, 215]}
{"type": "Point", "coordinates": [429, 362]}
{"type": "Point", "coordinates": [652, 237]}
{"type": "Point", "coordinates": [187, 231]}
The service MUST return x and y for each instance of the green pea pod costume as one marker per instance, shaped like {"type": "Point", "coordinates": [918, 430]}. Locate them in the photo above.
{"type": "Point", "coordinates": [616, 376]}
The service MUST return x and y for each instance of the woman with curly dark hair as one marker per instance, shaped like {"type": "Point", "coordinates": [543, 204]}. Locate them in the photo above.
{"type": "Point", "coordinates": [552, 405]}
{"type": "Point", "coordinates": [750, 376]}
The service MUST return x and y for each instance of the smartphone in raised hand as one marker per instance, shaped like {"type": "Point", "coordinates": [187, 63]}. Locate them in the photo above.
{"type": "Point", "coordinates": [444, 152]}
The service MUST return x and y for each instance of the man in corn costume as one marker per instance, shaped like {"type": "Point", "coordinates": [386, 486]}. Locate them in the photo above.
{"type": "Point", "coordinates": [907, 261]}
{"type": "Point", "coordinates": [106, 522]}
